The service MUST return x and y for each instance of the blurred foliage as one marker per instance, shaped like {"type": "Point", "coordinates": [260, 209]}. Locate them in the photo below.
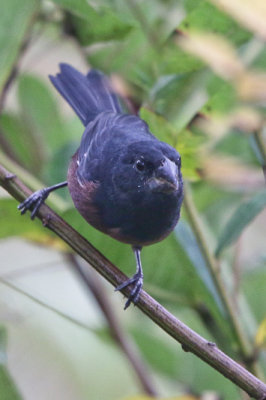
{"type": "Point", "coordinates": [8, 388]}
{"type": "Point", "coordinates": [196, 73]}
{"type": "Point", "coordinates": [168, 398]}
{"type": "Point", "coordinates": [15, 21]}
{"type": "Point", "coordinates": [241, 218]}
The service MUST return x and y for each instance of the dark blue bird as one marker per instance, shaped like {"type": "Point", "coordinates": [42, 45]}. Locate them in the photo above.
{"type": "Point", "coordinates": [123, 181]}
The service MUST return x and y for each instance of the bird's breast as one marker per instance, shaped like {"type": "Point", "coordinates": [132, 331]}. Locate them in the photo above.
{"type": "Point", "coordinates": [144, 223]}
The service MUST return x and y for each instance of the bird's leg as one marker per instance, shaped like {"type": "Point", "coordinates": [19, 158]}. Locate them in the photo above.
{"type": "Point", "coordinates": [36, 199]}
{"type": "Point", "coordinates": [136, 279]}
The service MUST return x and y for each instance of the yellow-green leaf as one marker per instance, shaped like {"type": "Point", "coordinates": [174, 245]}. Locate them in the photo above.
{"type": "Point", "coordinates": [260, 338]}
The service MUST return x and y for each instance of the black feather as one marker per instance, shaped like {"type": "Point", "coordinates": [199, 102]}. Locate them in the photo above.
{"type": "Point", "coordinates": [87, 95]}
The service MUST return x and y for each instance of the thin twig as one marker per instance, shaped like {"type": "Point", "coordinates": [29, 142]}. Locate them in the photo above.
{"type": "Point", "coordinates": [258, 136]}
{"type": "Point", "coordinates": [246, 350]}
{"type": "Point", "coordinates": [92, 281]}
{"type": "Point", "coordinates": [236, 270]}
{"type": "Point", "coordinates": [189, 339]}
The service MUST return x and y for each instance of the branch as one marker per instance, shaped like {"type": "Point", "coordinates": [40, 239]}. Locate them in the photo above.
{"type": "Point", "coordinates": [189, 339]}
{"type": "Point", "coordinates": [32, 182]}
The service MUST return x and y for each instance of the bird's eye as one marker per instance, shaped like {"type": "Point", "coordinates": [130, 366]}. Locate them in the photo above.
{"type": "Point", "coordinates": [178, 162]}
{"type": "Point", "coordinates": [140, 165]}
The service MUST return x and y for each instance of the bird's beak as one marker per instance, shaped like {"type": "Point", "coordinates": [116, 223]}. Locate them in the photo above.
{"type": "Point", "coordinates": [165, 178]}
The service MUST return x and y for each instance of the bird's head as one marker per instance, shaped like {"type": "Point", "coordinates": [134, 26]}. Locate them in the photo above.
{"type": "Point", "coordinates": [148, 167]}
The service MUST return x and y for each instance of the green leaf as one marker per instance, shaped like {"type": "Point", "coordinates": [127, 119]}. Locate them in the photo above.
{"type": "Point", "coordinates": [56, 170]}
{"type": "Point", "coordinates": [80, 8]}
{"type": "Point", "coordinates": [206, 17]}
{"type": "Point", "coordinates": [159, 126]}
{"type": "Point", "coordinates": [15, 18]}
{"type": "Point", "coordinates": [190, 5]}
{"type": "Point", "coordinates": [8, 390]}
{"type": "Point", "coordinates": [188, 145]}
{"type": "Point", "coordinates": [100, 27]}
{"type": "Point", "coordinates": [241, 218]}
{"type": "Point", "coordinates": [179, 97]}
{"type": "Point", "coordinates": [120, 57]}
{"type": "Point", "coordinates": [14, 224]}
{"type": "Point", "coordinates": [40, 111]}
{"type": "Point", "coordinates": [22, 144]}
{"type": "Point", "coordinates": [186, 237]}
{"type": "Point", "coordinates": [174, 60]}
{"type": "Point", "coordinates": [25, 227]}
{"type": "Point", "coordinates": [236, 140]}
{"type": "Point", "coordinates": [253, 285]}
{"type": "Point", "coordinates": [94, 24]}
{"type": "Point", "coordinates": [222, 101]}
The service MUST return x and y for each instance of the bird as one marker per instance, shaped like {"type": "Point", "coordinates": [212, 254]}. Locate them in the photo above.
{"type": "Point", "coordinates": [123, 180]}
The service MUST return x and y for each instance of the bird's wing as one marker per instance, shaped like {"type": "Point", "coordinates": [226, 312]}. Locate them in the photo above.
{"type": "Point", "coordinates": [105, 136]}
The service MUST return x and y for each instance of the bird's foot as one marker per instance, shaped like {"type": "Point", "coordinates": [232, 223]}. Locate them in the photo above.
{"type": "Point", "coordinates": [34, 202]}
{"type": "Point", "coordinates": [137, 280]}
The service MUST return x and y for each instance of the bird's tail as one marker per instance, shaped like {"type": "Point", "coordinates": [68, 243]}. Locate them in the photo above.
{"type": "Point", "coordinates": [88, 95]}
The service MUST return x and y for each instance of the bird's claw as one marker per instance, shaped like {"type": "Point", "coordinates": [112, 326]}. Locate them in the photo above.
{"type": "Point", "coordinates": [137, 280]}
{"type": "Point", "coordinates": [33, 202]}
